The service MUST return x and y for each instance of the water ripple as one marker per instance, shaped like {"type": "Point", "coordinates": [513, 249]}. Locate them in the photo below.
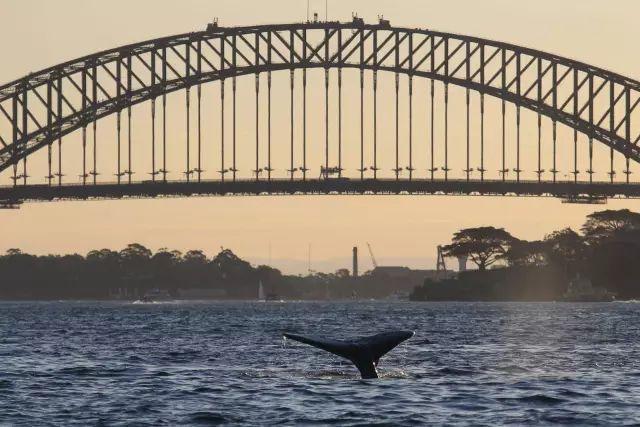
{"type": "Point", "coordinates": [85, 363]}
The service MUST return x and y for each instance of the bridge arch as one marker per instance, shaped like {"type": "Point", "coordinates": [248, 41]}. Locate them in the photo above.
{"type": "Point", "coordinates": [591, 100]}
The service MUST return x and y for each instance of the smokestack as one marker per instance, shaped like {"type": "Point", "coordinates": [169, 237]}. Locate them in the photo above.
{"type": "Point", "coordinates": [355, 261]}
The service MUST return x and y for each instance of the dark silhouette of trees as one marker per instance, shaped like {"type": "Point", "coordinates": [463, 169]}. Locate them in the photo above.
{"type": "Point", "coordinates": [610, 223]}
{"type": "Point", "coordinates": [130, 272]}
{"type": "Point", "coordinates": [483, 245]}
{"type": "Point", "coordinates": [566, 249]}
{"type": "Point", "coordinates": [607, 252]}
{"type": "Point", "coordinates": [527, 254]}
{"type": "Point", "coordinates": [613, 238]}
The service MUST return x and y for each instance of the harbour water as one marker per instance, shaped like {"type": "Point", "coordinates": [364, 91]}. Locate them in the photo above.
{"type": "Point", "coordinates": [179, 363]}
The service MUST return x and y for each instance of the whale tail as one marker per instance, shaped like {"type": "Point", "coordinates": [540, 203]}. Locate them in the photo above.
{"type": "Point", "coordinates": [364, 353]}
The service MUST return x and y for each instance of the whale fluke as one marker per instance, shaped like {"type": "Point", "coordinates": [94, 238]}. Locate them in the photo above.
{"type": "Point", "coordinates": [364, 352]}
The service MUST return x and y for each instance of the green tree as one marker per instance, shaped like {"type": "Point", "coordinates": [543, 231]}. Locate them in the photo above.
{"type": "Point", "coordinates": [135, 262]}
{"type": "Point", "coordinates": [484, 246]}
{"type": "Point", "coordinates": [567, 249]}
{"type": "Point", "coordinates": [610, 223]}
{"type": "Point", "coordinates": [529, 254]}
{"type": "Point", "coordinates": [135, 252]}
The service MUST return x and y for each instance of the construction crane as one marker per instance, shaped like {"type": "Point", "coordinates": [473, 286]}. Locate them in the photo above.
{"type": "Point", "coordinates": [373, 258]}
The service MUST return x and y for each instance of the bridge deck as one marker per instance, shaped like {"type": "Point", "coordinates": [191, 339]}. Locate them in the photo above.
{"type": "Point", "coordinates": [569, 190]}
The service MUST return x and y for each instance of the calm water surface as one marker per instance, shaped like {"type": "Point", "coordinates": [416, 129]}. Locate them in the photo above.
{"type": "Point", "coordinates": [211, 363]}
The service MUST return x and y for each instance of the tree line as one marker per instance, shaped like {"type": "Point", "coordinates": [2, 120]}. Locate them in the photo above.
{"type": "Point", "coordinates": [605, 250]}
{"type": "Point", "coordinates": [132, 271]}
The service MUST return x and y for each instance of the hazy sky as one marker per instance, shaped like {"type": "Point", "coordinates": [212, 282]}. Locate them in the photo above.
{"type": "Point", "coordinates": [39, 33]}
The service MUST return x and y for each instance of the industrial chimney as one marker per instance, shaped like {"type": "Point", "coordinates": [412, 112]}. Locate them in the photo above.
{"type": "Point", "coordinates": [355, 261]}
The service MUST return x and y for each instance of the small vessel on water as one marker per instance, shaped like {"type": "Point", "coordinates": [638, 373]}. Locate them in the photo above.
{"type": "Point", "coordinates": [263, 296]}
{"type": "Point", "coordinates": [156, 295]}
{"type": "Point", "coordinates": [581, 289]}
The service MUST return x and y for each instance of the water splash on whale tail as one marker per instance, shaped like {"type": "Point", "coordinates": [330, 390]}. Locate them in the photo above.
{"type": "Point", "coordinates": [364, 353]}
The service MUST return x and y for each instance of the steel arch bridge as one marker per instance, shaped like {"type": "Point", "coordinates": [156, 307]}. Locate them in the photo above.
{"type": "Point", "coordinates": [40, 109]}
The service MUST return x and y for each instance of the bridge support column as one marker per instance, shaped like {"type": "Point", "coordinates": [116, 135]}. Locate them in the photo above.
{"type": "Point", "coordinates": [199, 118]}
{"type": "Point", "coordinates": [468, 136]}
{"type": "Point", "coordinates": [539, 171]}
{"type": "Point", "coordinates": [627, 122]}
{"type": "Point", "coordinates": [576, 92]}
{"type": "Point", "coordinates": [397, 169]}
{"type": "Point", "coordinates": [292, 121]}
{"type": "Point", "coordinates": [84, 155]}
{"type": "Point", "coordinates": [410, 168]}
{"type": "Point", "coordinates": [129, 123]}
{"type": "Point", "coordinates": [554, 89]}
{"type": "Point", "coordinates": [153, 140]}
{"type": "Point", "coordinates": [504, 170]}
{"type": "Point", "coordinates": [269, 125]}
{"type": "Point", "coordinates": [590, 106]}
{"type": "Point", "coordinates": [304, 122]}
{"type": "Point", "coordinates": [14, 125]}
{"type": "Point", "coordinates": [518, 170]}
{"type": "Point", "coordinates": [94, 173]}
{"type": "Point", "coordinates": [50, 127]}
{"type": "Point", "coordinates": [468, 102]}
{"type": "Point", "coordinates": [94, 85]}
{"type": "Point", "coordinates": [612, 123]}
{"type": "Point", "coordinates": [59, 128]}
{"type": "Point", "coordinates": [223, 169]}
{"type": "Point", "coordinates": [375, 125]}
{"type": "Point", "coordinates": [119, 122]}
{"type": "Point", "coordinates": [164, 138]}
{"type": "Point", "coordinates": [129, 147]}
{"type": "Point", "coordinates": [554, 171]}
{"type": "Point", "coordinates": [234, 170]}
{"type": "Point", "coordinates": [84, 129]}
{"type": "Point", "coordinates": [446, 132]}
{"type": "Point", "coordinates": [164, 117]}
{"type": "Point", "coordinates": [432, 110]}
{"type": "Point", "coordinates": [326, 120]}
{"type": "Point", "coordinates": [361, 123]}
{"type": "Point", "coordinates": [518, 71]}
{"type": "Point", "coordinates": [25, 131]}
{"type": "Point", "coordinates": [257, 170]}
{"type": "Point", "coordinates": [187, 171]}
{"type": "Point", "coordinates": [482, 168]}
{"type": "Point", "coordinates": [340, 120]}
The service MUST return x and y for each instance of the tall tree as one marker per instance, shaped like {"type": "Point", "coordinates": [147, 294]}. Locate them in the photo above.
{"type": "Point", "coordinates": [610, 223]}
{"type": "Point", "coordinates": [524, 253]}
{"type": "Point", "coordinates": [484, 246]}
{"type": "Point", "coordinates": [567, 249]}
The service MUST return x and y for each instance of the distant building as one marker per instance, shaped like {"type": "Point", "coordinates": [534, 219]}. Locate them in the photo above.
{"type": "Point", "coordinates": [406, 278]}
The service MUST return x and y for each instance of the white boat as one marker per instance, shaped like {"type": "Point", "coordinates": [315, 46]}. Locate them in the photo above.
{"type": "Point", "coordinates": [261, 294]}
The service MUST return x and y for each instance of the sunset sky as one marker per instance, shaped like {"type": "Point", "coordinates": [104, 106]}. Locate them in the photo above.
{"type": "Point", "coordinates": [402, 230]}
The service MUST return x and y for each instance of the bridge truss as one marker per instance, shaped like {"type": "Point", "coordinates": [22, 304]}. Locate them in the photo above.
{"type": "Point", "coordinates": [39, 110]}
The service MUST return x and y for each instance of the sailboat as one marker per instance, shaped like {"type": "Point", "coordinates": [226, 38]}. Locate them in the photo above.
{"type": "Point", "coordinates": [261, 294]}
